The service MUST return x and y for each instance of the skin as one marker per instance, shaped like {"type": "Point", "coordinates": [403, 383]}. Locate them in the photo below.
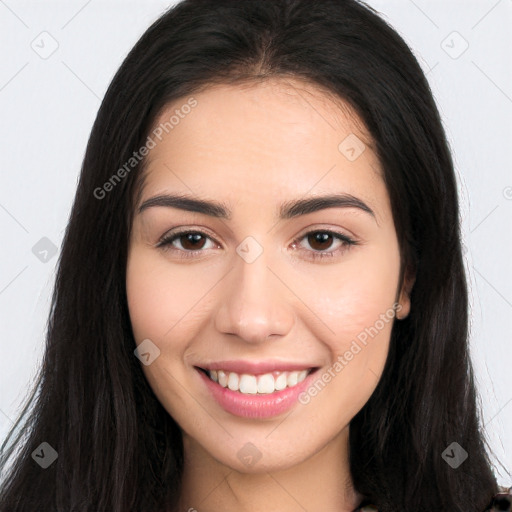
{"type": "Point", "coordinates": [253, 148]}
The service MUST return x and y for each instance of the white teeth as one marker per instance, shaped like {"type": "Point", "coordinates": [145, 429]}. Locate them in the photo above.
{"type": "Point", "coordinates": [281, 382]}
{"type": "Point", "coordinates": [233, 381]}
{"type": "Point", "coordinates": [262, 384]}
{"type": "Point", "coordinates": [248, 384]}
{"type": "Point", "coordinates": [222, 378]}
{"type": "Point", "coordinates": [292, 379]}
{"type": "Point", "coordinates": [265, 384]}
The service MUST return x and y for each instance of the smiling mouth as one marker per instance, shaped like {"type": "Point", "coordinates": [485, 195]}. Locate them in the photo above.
{"type": "Point", "coordinates": [264, 384]}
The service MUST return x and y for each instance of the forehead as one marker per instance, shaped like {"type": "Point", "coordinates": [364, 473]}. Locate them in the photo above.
{"type": "Point", "coordinates": [269, 138]}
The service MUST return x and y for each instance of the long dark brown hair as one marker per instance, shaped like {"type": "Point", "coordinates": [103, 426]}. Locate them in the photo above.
{"type": "Point", "coordinates": [118, 449]}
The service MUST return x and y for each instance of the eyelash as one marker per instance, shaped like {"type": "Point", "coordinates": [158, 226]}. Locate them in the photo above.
{"type": "Point", "coordinates": [166, 243]}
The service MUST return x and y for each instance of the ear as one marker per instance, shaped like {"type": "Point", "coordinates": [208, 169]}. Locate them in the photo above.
{"type": "Point", "coordinates": [404, 298]}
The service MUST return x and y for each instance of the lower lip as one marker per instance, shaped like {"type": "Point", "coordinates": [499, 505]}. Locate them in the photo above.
{"type": "Point", "coordinates": [256, 405]}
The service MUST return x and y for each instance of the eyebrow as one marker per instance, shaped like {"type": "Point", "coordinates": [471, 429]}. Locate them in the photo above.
{"type": "Point", "coordinates": [288, 210]}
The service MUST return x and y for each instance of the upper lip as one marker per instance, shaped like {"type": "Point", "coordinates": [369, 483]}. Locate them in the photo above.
{"type": "Point", "coordinates": [255, 367]}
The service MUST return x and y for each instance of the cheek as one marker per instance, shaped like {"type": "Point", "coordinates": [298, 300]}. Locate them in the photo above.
{"type": "Point", "coordinates": [159, 303]}
{"type": "Point", "coordinates": [161, 300]}
{"type": "Point", "coordinates": [352, 296]}
{"type": "Point", "coordinates": [355, 305]}
{"type": "Point", "coordinates": [168, 304]}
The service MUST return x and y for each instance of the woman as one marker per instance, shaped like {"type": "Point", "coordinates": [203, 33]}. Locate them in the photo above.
{"type": "Point", "coordinates": [261, 297]}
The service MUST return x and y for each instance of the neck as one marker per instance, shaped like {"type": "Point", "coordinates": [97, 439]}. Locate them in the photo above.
{"type": "Point", "coordinates": [320, 482]}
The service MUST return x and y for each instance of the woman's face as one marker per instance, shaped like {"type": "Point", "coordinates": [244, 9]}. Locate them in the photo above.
{"type": "Point", "coordinates": [267, 286]}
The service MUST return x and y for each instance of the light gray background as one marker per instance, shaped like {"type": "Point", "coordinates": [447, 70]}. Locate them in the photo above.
{"type": "Point", "coordinates": [49, 102]}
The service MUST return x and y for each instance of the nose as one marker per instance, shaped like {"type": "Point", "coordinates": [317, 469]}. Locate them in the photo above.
{"type": "Point", "coordinates": [255, 303]}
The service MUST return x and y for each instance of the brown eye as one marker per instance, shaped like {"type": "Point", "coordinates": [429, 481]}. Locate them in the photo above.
{"type": "Point", "coordinates": [192, 241]}
{"type": "Point", "coordinates": [324, 244]}
{"type": "Point", "coordinates": [188, 243]}
{"type": "Point", "coordinates": [320, 240]}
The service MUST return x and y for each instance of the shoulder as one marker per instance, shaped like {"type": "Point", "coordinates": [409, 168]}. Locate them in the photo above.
{"type": "Point", "coordinates": [502, 501]}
